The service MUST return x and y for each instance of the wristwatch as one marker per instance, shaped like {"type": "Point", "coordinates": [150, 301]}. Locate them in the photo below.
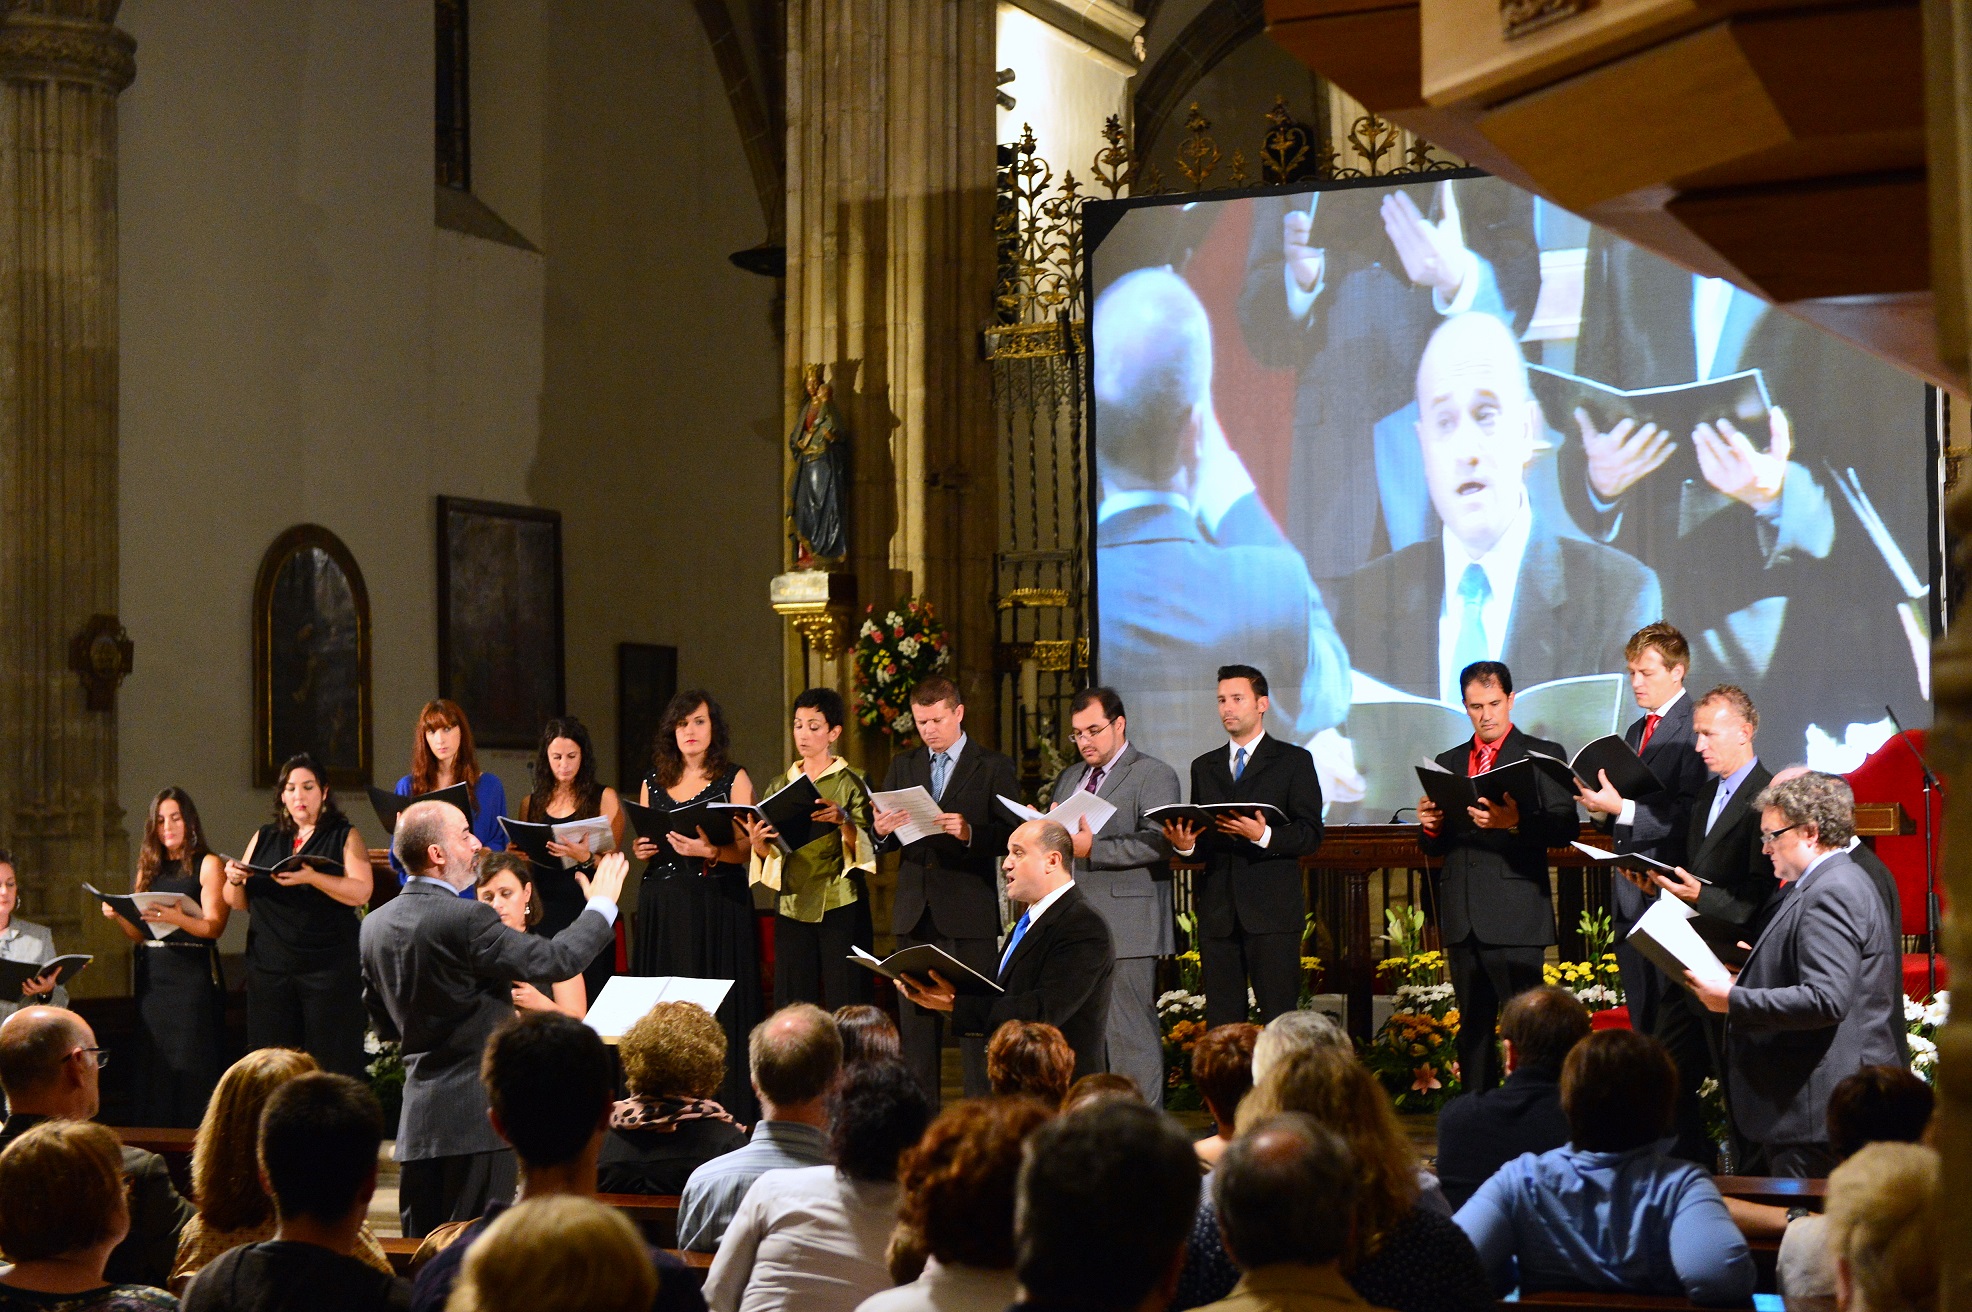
{"type": "Point", "coordinates": [1797, 1211]}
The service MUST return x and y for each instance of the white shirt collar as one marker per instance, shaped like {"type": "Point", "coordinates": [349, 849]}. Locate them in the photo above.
{"type": "Point", "coordinates": [1251, 745]}
{"type": "Point", "coordinates": [1501, 564]}
{"type": "Point", "coordinates": [952, 752]}
{"type": "Point", "coordinates": [1816, 863]}
{"type": "Point", "coordinates": [1668, 704]}
{"type": "Point", "coordinates": [1110, 764]}
{"type": "Point", "coordinates": [1115, 503]}
{"type": "Point", "coordinates": [1035, 912]}
{"type": "Point", "coordinates": [433, 880]}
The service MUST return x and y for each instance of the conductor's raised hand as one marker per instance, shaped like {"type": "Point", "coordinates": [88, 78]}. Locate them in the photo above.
{"type": "Point", "coordinates": [1182, 835]}
{"type": "Point", "coordinates": [608, 879]}
{"type": "Point", "coordinates": [935, 996]}
{"type": "Point", "coordinates": [1503, 814]}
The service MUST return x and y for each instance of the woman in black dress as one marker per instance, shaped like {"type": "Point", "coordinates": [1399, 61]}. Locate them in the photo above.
{"type": "Point", "coordinates": [565, 789]}
{"type": "Point", "coordinates": [304, 981]}
{"type": "Point", "coordinates": [181, 995]}
{"type": "Point", "coordinates": [694, 909]}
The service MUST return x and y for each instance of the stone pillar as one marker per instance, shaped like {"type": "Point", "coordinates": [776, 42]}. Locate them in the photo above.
{"type": "Point", "coordinates": [889, 282]}
{"type": "Point", "coordinates": [62, 64]}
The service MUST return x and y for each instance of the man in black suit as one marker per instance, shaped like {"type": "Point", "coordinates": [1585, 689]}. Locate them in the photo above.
{"type": "Point", "coordinates": [1494, 584]}
{"type": "Point", "coordinates": [946, 892]}
{"type": "Point", "coordinates": [1251, 903]}
{"type": "Point", "coordinates": [1658, 658]}
{"type": "Point", "coordinates": [1726, 876]}
{"type": "Point", "coordinates": [1480, 1132]}
{"type": "Point", "coordinates": [1056, 964]}
{"type": "Point", "coordinates": [1495, 914]}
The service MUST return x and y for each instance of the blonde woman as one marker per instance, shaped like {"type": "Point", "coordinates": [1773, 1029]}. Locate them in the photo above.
{"type": "Point", "coordinates": [233, 1207]}
{"type": "Point", "coordinates": [62, 1209]}
{"type": "Point", "coordinates": [1883, 1229]}
{"type": "Point", "coordinates": [556, 1254]}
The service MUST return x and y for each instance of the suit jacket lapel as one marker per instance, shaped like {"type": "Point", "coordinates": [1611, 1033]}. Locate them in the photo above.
{"type": "Point", "coordinates": [1736, 807]}
{"type": "Point", "coordinates": [961, 769]}
{"type": "Point", "coordinates": [1118, 770]}
{"type": "Point", "coordinates": [1045, 925]}
{"type": "Point", "coordinates": [1537, 620]}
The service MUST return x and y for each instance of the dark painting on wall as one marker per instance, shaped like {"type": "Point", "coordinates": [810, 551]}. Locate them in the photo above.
{"type": "Point", "coordinates": [311, 668]}
{"type": "Point", "coordinates": [646, 678]}
{"type": "Point", "coordinates": [499, 617]}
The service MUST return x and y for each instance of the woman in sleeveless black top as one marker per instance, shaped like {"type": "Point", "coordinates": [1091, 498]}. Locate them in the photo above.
{"type": "Point", "coordinates": [565, 789]}
{"type": "Point", "coordinates": [695, 912]}
{"type": "Point", "coordinates": [304, 978]}
{"type": "Point", "coordinates": [181, 995]}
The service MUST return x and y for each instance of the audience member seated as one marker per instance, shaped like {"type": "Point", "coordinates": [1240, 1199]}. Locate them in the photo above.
{"type": "Point", "coordinates": [816, 1238]}
{"type": "Point", "coordinates": [954, 1238]}
{"type": "Point", "coordinates": [234, 1206]}
{"type": "Point", "coordinates": [549, 1088]}
{"type": "Point", "coordinates": [1102, 1205]}
{"type": "Point", "coordinates": [1883, 1230]}
{"type": "Point", "coordinates": [318, 1154]}
{"type": "Point", "coordinates": [49, 1065]}
{"type": "Point", "coordinates": [1405, 1254]}
{"type": "Point", "coordinates": [793, 1055]}
{"type": "Point", "coordinates": [1285, 1193]}
{"type": "Point", "coordinates": [1030, 1058]}
{"type": "Point", "coordinates": [1480, 1132]}
{"type": "Point", "coordinates": [1877, 1104]}
{"type": "Point", "coordinates": [1609, 1212]}
{"type": "Point", "coordinates": [558, 1254]}
{"type": "Point", "coordinates": [868, 1034]}
{"type": "Point", "coordinates": [674, 1061]}
{"type": "Point", "coordinates": [1099, 1084]}
{"type": "Point", "coordinates": [1295, 1031]}
{"type": "Point", "coordinates": [62, 1212]}
{"type": "Point", "coordinates": [1222, 1072]}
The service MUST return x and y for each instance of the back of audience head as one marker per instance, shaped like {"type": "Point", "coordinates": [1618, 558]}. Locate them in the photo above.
{"type": "Point", "coordinates": [61, 1193]}
{"type": "Point", "coordinates": [958, 1182]}
{"type": "Point", "coordinates": [1618, 1091]}
{"type": "Point", "coordinates": [868, 1034]}
{"type": "Point", "coordinates": [1878, 1104]}
{"type": "Point", "coordinates": [878, 1110]}
{"type": "Point", "coordinates": [1031, 1058]}
{"type": "Point", "coordinates": [1100, 1084]}
{"type": "Point", "coordinates": [549, 1086]}
{"type": "Point", "coordinates": [1294, 1030]}
{"type": "Point", "coordinates": [1341, 1094]}
{"type": "Point", "coordinates": [43, 1065]}
{"type": "Point", "coordinates": [1285, 1192]}
{"type": "Point", "coordinates": [318, 1146]}
{"type": "Point", "coordinates": [676, 1050]}
{"type": "Point", "coordinates": [1104, 1203]}
{"type": "Point", "coordinates": [794, 1055]}
{"type": "Point", "coordinates": [1222, 1070]}
{"type": "Point", "coordinates": [226, 1152]}
{"type": "Point", "coordinates": [1883, 1229]}
{"type": "Point", "coordinates": [556, 1254]}
{"type": "Point", "coordinates": [1542, 1025]}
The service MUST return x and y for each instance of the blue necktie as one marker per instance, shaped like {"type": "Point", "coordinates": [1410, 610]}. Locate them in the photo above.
{"type": "Point", "coordinates": [1019, 932]}
{"type": "Point", "coordinates": [1239, 764]}
{"type": "Point", "coordinates": [941, 769]}
{"type": "Point", "coordinates": [1718, 805]}
{"type": "Point", "coordinates": [1473, 590]}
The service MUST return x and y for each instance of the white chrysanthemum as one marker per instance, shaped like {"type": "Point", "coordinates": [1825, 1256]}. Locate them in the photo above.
{"type": "Point", "coordinates": [1708, 1087]}
{"type": "Point", "coordinates": [893, 619]}
{"type": "Point", "coordinates": [1939, 1008]}
{"type": "Point", "coordinates": [869, 629]}
{"type": "Point", "coordinates": [903, 724]}
{"type": "Point", "coordinates": [907, 647]}
{"type": "Point", "coordinates": [371, 1043]}
{"type": "Point", "coordinates": [882, 677]}
{"type": "Point", "coordinates": [1913, 1011]}
{"type": "Point", "coordinates": [1920, 1044]}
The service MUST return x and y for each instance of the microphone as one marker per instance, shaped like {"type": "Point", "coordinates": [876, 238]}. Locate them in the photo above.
{"type": "Point", "coordinates": [1922, 764]}
{"type": "Point", "coordinates": [1399, 811]}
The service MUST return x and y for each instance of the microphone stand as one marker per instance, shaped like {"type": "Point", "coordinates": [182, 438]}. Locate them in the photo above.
{"type": "Point", "coordinates": [1931, 784]}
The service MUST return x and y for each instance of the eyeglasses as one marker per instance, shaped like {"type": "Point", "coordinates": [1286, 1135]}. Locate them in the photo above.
{"type": "Point", "coordinates": [99, 1057]}
{"type": "Point", "coordinates": [1088, 735]}
{"type": "Point", "coordinates": [1767, 836]}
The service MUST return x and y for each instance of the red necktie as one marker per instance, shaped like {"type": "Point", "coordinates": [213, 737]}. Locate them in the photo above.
{"type": "Point", "coordinates": [1649, 727]}
{"type": "Point", "coordinates": [1482, 757]}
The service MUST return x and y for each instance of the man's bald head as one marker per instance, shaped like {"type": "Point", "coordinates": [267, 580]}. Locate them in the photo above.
{"type": "Point", "coordinates": [35, 1043]}
{"type": "Point", "coordinates": [423, 826]}
{"type": "Point", "coordinates": [1153, 376]}
{"type": "Point", "coordinates": [1477, 424]}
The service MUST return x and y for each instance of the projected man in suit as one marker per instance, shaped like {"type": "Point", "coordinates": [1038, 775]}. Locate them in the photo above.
{"type": "Point", "coordinates": [1347, 296]}
{"type": "Point", "coordinates": [1493, 584]}
{"type": "Point", "coordinates": [1172, 604]}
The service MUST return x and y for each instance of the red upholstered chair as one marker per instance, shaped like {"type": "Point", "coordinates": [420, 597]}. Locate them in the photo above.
{"type": "Point", "coordinates": [1891, 775]}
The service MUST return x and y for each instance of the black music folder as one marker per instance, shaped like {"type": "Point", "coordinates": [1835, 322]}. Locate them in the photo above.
{"type": "Point", "coordinates": [919, 960]}
{"type": "Point", "coordinates": [389, 806]}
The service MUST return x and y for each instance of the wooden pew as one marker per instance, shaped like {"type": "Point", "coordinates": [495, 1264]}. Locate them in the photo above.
{"type": "Point", "coordinates": [399, 1251]}
{"type": "Point", "coordinates": [1773, 1190]}
{"type": "Point", "coordinates": [655, 1214]}
{"type": "Point", "coordinates": [168, 1142]}
{"type": "Point", "coordinates": [696, 1263]}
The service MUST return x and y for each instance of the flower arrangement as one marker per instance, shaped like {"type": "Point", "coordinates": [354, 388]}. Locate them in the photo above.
{"type": "Point", "coordinates": [386, 1072]}
{"type": "Point", "coordinates": [1414, 1054]}
{"type": "Point", "coordinates": [1181, 1018]}
{"type": "Point", "coordinates": [1922, 1020]}
{"type": "Point", "coordinates": [893, 654]}
{"type": "Point", "coordinates": [1596, 982]}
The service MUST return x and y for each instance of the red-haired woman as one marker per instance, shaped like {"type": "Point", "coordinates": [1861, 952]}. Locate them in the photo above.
{"type": "Point", "coordinates": [443, 755]}
{"type": "Point", "coordinates": [181, 996]}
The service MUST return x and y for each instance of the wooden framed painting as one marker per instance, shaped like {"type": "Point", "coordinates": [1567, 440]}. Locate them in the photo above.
{"type": "Point", "coordinates": [500, 653]}
{"type": "Point", "coordinates": [311, 658]}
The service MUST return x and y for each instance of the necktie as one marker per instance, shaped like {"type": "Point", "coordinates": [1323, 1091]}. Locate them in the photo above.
{"type": "Point", "coordinates": [1482, 756]}
{"type": "Point", "coordinates": [1019, 932]}
{"type": "Point", "coordinates": [1718, 804]}
{"type": "Point", "coordinates": [1649, 727]}
{"type": "Point", "coordinates": [1473, 590]}
{"type": "Point", "coordinates": [1095, 780]}
{"type": "Point", "coordinates": [1239, 763]}
{"type": "Point", "coordinates": [941, 770]}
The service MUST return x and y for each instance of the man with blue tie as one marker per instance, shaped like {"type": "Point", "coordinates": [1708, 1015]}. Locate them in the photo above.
{"type": "Point", "coordinates": [1056, 964]}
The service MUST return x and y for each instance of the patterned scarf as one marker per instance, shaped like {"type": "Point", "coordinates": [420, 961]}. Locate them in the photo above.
{"type": "Point", "coordinates": [665, 1115]}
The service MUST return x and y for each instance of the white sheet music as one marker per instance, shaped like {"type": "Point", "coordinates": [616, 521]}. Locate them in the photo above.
{"type": "Point", "coordinates": [915, 802]}
{"type": "Point", "coordinates": [1081, 803]}
{"type": "Point", "coordinates": [1664, 934]}
{"type": "Point", "coordinates": [627, 999]}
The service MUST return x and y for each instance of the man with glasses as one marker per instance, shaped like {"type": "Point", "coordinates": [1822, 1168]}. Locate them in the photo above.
{"type": "Point", "coordinates": [1821, 993]}
{"type": "Point", "coordinates": [49, 1062]}
{"type": "Point", "coordinates": [1123, 869]}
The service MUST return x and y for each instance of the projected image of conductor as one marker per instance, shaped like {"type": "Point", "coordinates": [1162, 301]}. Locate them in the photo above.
{"type": "Point", "coordinates": [1175, 605]}
{"type": "Point", "coordinates": [1344, 287]}
{"type": "Point", "coordinates": [1497, 582]}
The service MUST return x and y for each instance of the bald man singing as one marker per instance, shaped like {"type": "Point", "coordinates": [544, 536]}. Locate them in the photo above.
{"type": "Point", "coordinates": [1497, 583]}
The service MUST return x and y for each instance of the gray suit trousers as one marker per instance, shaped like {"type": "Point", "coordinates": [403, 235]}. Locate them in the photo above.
{"type": "Point", "coordinates": [1132, 1042]}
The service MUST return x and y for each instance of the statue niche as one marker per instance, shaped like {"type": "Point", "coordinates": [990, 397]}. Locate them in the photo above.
{"type": "Point", "coordinates": [818, 496]}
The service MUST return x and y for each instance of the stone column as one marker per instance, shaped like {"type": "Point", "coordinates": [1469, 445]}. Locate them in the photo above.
{"type": "Point", "coordinates": [889, 282]}
{"type": "Point", "coordinates": [62, 64]}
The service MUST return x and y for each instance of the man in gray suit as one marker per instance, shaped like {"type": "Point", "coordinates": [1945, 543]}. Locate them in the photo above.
{"type": "Point", "coordinates": [1123, 870]}
{"type": "Point", "coordinates": [438, 976]}
{"type": "Point", "coordinates": [1820, 996]}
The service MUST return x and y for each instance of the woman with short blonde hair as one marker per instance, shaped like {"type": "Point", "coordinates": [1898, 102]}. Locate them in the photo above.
{"type": "Point", "coordinates": [556, 1254]}
{"type": "Point", "coordinates": [1883, 1229]}
{"type": "Point", "coordinates": [62, 1210]}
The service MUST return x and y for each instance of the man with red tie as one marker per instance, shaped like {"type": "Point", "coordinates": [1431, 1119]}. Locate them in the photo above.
{"type": "Point", "coordinates": [1495, 913]}
{"type": "Point", "coordinates": [1656, 826]}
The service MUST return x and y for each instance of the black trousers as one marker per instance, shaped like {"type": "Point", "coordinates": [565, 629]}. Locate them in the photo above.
{"type": "Point", "coordinates": [811, 961]}
{"type": "Point", "coordinates": [1271, 963]}
{"type": "Point", "coordinates": [1647, 992]}
{"type": "Point", "coordinates": [923, 1032]}
{"type": "Point", "coordinates": [318, 1011]}
{"type": "Point", "coordinates": [436, 1190]}
{"type": "Point", "coordinates": [1696, 1039]}
{"type": "Point", "coordinates": [1485, 978]}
